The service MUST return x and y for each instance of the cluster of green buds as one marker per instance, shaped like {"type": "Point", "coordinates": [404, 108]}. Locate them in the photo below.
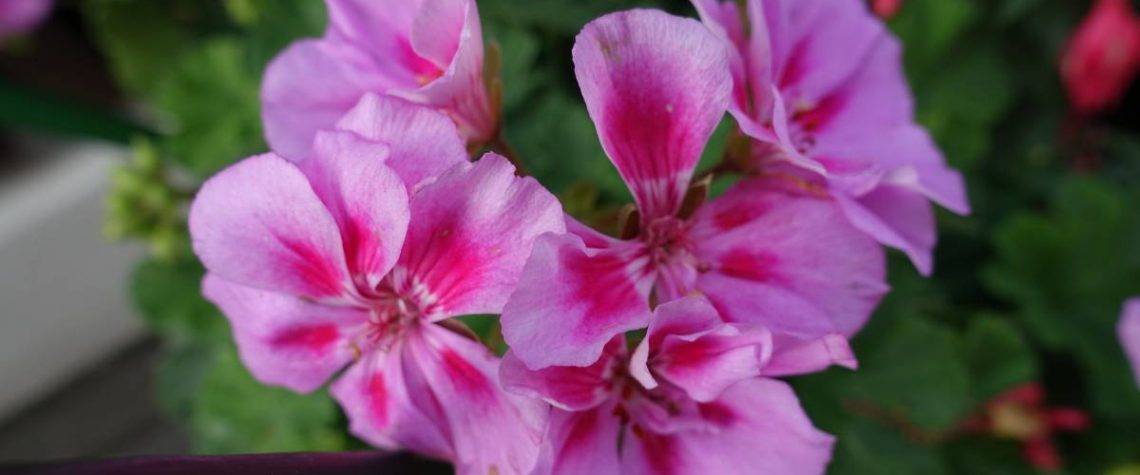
{"type": "Point", "coordinates": [144, 204]}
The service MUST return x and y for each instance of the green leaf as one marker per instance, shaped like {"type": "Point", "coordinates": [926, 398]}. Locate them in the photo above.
{"type": "Point", "coordinates": [912, 368]}
{"type": "Point", "coordinates": [212, 97]}
{"type": "Point", "coordinates": [997, 355]}
{"type": "Point", "coordinates": [1067, 273]}
{"type": "Point", "coordinates": [142, 39]}
{"type": "Point", "coordinates": [232, 413]}
{"type": "Point", "coordinates": [866, 446]}
{"type": "Point", "coordinates": [168, 297]}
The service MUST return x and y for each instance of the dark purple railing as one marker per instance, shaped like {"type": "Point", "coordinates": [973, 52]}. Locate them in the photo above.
{"type": "Point", "coordinates": [371, 463]}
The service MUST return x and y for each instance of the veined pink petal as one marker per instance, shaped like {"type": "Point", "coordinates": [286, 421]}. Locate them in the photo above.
{"type": "Point", "coordinates": [571, 300]}
{"type": "Point", "coordinates": [581, 443]}
{"type": "Point", "coordinates": [656, 86]}
{"type": "Point", "coordinates": [1129, 331]}
{"type": "Point", "coordinates": [383, 28]}
{"type": "Point", "coordinates": [471, 232]}
{"type": "Point", "coordinates": [780, 257]}
{"type": "Point", "coordinates": [813, 30]}
{"type": "Point", "coordinates": [758, 427]}
{"type": "Point", "coordinates": [308, 87]}
{"type": "Point", "coordinates": [365, 197]}
{"type": "Point", "coordinates": [793, 357]}
{"type": "Point", "coordinates": [458, 89]}
{"type": "Point", "coordinates": [285, 340]}
{"type": "Point", "coordinates": [454, 381]}
{"type": "Point", "coordinates": [422, 143]}
{"type": "Point", "coordinates": [259, 223]}
{"type": "Point", "coordinates": [898, 218]}
{"type": "Point", "coordinates": [571, 388]}
{"type": "Point", "coordinates": [374, 396]}
{"type": "Point", "coordinates": [689, 346]}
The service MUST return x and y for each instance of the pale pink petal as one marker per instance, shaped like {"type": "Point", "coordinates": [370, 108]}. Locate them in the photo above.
{"type": "Point", "coordinates": [656, 86]}
{"type": "Point", "coordinates": [285, 340]}
{"type": "Point", "coordinates": [259, 223]}
{"type": "Point", "coordinates": [756, 426]}
{"type": "Point", "coordinates": [422, 143]}
{"type": "Point", "coordinates": [571, 300]}
{"type": "Point", "coordinates": [689, 346]}
{"type": "Point", "coordinates": [366, 198]}
{"type": "Point", "coordinates": [571, 388]}
{"type": "Point", "coordinates": [383, 31]}
{"type": "Point", "coordinates": [1129, 331]}
{"type": "Point", "coordinates": [782, 257]}
{"type": "Point", "coordinates": [454, 380]}
{"type": "Point", "coordinates": [793, 357]}
{"type": "Point", "coordinates": [458, 89]}
{"type": "Point", "coordinates": [814, 30]}
{"type": "Point", "coordinates": [374, 396]}
{"type": "Point", "coordinates": [896, 217]}
{"type": "Point", "coordinates": [916, 164]}
{"type": "Point", "coordinates": [308, 87]}
{"type": "Point", "coordinates": [581, 443]}
{"type": "Point", "coordinates": [471, 232]}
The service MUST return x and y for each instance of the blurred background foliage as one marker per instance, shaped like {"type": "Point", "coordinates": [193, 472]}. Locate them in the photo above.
{"type": "Point", "coordinates": [1027, 289]}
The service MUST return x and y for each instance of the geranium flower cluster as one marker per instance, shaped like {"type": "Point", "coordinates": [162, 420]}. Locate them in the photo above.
{"type": "Point", "coordinates": [344, 254]}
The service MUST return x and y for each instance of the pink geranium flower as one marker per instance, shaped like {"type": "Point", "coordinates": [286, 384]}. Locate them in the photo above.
{"type": "Point", "coordinates": [427, 51]}
{"type": "Point", "coordinates": [691, 399]}
{"type": "Point", "coordinates": [819, 88]}
{"type": "Point", "coordinates": [356, 258]}
{"type": "Point", "coordinates": [1102, 57]}
{"type": "Point", "coordinates": [767, 252]}
{"type": "Point", "coordinates": [1129, 331]}
{"type": "Point", "coordinates": [21, 16]}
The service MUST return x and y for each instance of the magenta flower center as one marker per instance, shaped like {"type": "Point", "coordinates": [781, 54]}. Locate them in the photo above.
{"type": "Point", "coordinates": [667, 242]}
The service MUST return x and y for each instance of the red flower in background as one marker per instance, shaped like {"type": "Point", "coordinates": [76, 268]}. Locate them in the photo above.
{"type": "Point", "coordinates": [886, 9]}
{"type": "Point", "coordinates": [1021, 414]}
{"type": "Point", "coordinates": [1102, 56]}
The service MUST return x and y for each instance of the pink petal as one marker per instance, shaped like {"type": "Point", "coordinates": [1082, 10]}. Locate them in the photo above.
{"type": "Point", "coordinates": [366, 198]}
{"type": "Point", "coordinates": [896, 217]}
{"type": "Point", "coordinates": [583, 442]}
{"type": "Point", "coordinates": [374, 396]}
{"type": "Point", "coordinates": [793, 357]}
{"type": "Point", "coordinates": [308, 87]}
{"type": "Point", "coordinates": [259, 223]}
{"type": "Point", "coordinates": [458, 89]}
{"type": "Point", "coordinates": [571, 300]}
{"type": "Point", "coordinates": [807, 66]}
{"type": "Point", "coordinates": [285, 340]}
{"type": "Point", "coordinates": [422, 143]}
{"type": "Point", "coordinates": [471, 232]}
{"type": "Point", "coordinates": [21, 16]}
{"type": "Point", "coordinates": [786, 259]}
{"type": "Point", "coordinates": [454, 380]}
{"type": "Point", "coordinates": [1129, 331]}
{"type": "Point", "coordinates": [571, 388]}
{"type": "Point", "coordinates": [689, 346]}
{"type": "Point", "coordinates": [656, 86]}
{"type": "Point", "coordinates": [757, 426]}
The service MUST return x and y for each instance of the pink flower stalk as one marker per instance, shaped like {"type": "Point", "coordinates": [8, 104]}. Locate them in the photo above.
{"type": "Point", "coordinates": [819, 88]}
{"type": "Point", "coordinates": [691, 399]}
{"type": "Point", "coordinates": [426, 51]}
{"type": "Point", "coordinates": [18, 17]}
{"type": "Point", "coordinates": [767, 252]}
{"type": "Point", "coordinates": [1102, 57]}
{"type": "Point", "coordinates": [354, 258]}
{"type": "Point", "coordinates": [1129, 331]}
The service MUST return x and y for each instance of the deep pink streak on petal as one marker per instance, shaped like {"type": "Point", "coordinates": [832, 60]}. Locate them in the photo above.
{"type": "Point", "coordinates": [794, 69]}
{"type": "Point", "coordinates": [717, 413]}
{"type": "Point", "coordinates": [317, 272]}
{"type": "Point", "coordinates": [739, 214]}
{"type": "Point", "coordinates": [466, 377]}
{"type": "Point", "coordinates": [744, 264]}
{"type": "Point", "coordinates": [579, 438]}
{"type": "Point", "coordinates": [314, 338]}
{"type": "Point", "coordinates": [601, 286]}
{"type": "Point", "coordinates": [377, 397]}
{"type": "Point", "coordinates": [820, 115]}
{"type": "Point", "coordinates": [660, 451]}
